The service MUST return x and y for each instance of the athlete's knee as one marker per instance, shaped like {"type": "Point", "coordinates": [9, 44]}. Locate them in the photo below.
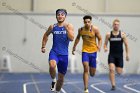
{"type": "Point", "coordinates": [86, 69]}
{"type": "Point", "coordinates": [111, 70]}
{"type": "Point", "coordinates": [52, 65]}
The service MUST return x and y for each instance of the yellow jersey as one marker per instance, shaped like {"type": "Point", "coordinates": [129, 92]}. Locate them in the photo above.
{"type": "Point", "coordinates": [89, 40]}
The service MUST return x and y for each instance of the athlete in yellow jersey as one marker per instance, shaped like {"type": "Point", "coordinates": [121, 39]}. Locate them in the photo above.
{"type": "Point", "coordinates": [89, 33]}
{"type": "Point", "coordinates": [89, 40]}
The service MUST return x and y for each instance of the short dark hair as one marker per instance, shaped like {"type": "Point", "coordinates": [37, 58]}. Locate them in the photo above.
{"type": "Point", "coordinates": [87, 17]}
{"type": "Point", "coordinates": [61, 10]}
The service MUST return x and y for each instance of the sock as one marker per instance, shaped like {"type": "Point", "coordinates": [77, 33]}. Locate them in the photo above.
{"type": "Point", "coordinates": [54, 80]}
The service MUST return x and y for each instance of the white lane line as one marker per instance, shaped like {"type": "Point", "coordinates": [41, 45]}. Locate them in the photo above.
{"type": "Point", "coordinates": [132, 89]}
{"type": "Point", "coordinates": [93, 86]}
{"type": "Point", "coordinates": [124, 91]}
{"type": "Point", "coordinates": [24, 88]}
{"type": "Point", "coordinates": [14, 81]}
{"type": "Point", "coordinates": [36, 86]}
{"type": "Point", "coordinates": [31, 83]}
{"type": "Point", "coordinates": [63, 90]}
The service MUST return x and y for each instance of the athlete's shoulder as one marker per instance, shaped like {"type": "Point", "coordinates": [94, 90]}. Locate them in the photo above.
{"type": "Point", "coordinates": [70, 25]}
{"type": "Point", "coordinates": [49, 30]}
{"type": "Point", "coordinates": [50, 27]}
{"type": "Point", "coordinates": [80, 29]}
{"type": "Point", "coordinates": [123, 34]}
{"type": "Point", "coordinates": [108, 34]}
{"type": "Point", "coordinates": [95, 27]}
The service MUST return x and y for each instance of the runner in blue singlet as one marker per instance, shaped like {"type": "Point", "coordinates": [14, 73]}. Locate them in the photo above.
{"type": "Point", "coordinates": [62, 33]}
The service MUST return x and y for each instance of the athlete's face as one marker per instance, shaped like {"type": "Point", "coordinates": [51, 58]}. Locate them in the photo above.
{"type": "Point", "coordinates": [116, 26]}
{"type": "Point", "coordinates": [87, 23]}
{"type": "Point", "coordinates": [60, 17]}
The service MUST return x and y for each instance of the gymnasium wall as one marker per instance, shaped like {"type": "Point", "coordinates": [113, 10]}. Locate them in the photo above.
{"type": "Point", "coordinates": [96, 6]}
{"type": "Point", "coordinates": [21, 36]}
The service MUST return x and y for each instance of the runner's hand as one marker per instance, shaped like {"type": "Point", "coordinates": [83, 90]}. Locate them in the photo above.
{"type": "Point", "coordinates": [99, 48]}
{"type": "Point", "coordinates": [127, 58]}
{"type": "Point", "coordinates": [105, 49]}
{"type": "Point", "coordinates": [43, 50]}
{"type": "Point", "coordinates": [66, 26]}
{"type": "Point", "coordinates": [73, 50]}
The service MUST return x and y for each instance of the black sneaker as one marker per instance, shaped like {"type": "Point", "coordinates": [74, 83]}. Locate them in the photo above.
{"type": "Point", "coordinates": [53, 86]}
{"type": "Point", "coordinates": [113, 88]}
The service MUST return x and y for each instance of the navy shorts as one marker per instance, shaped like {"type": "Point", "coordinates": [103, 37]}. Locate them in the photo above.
{"type": "Point", "coordinates": [116, 59]}
{"type": "Point", "coordinates": [89, 57]}
{"type": "Point", "coordinates": [61, 61]}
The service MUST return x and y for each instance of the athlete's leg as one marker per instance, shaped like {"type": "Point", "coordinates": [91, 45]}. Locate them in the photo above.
{"type": "Point", "coordinates": [85, 74]}
{"type": "Point", "coordinates": [119, 70]}
{"type": "Point", "coordinates": [92, 71]}
{"type": "Point", "coordinates": [92, 64]}
{"type": "Point", "coordinates": [112, 73]}
{"type": "Point", "coordinates": [85, 62]}
{"type": "Point", "coordinates": [60, 81]}
{"type": "Point", "coordinates": [119, 64]}
{"type": "Point", "coordinates": [62, 69]}
{"type": "Point", "coordinates": [52, 71]}
{"type": "Point", "coordinates": [53, 59]}
{"type": "Point", "coordinates": [112, 65]}
{"type": "Point", "coordinates": [52, 68]}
